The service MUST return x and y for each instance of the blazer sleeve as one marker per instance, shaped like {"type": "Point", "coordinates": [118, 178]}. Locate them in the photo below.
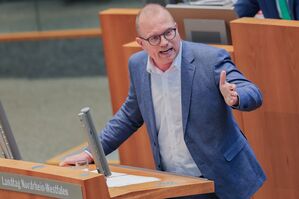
{"type": "Point", "coordinates": [250, 97]}
{"type": "Point", "coordinates": [124, 123]}
{"type": "Point", "coordinates": [246, 8]}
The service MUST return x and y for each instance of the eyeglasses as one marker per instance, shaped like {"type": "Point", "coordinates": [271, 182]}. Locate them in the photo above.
{"type": "Point", "coordinates": [155, 40]}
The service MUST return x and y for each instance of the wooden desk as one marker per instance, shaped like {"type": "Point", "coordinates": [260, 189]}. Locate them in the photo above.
{"type": "Point", "coordinates": [93, 185]}
{"type": "Point", "coordinates": [169, 182]}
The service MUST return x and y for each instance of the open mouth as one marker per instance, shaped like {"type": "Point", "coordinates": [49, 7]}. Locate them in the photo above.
{"type": "Point", "coordinates": [166, 52]}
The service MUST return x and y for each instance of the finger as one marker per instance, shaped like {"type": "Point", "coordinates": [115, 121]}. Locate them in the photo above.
{"type": "Point", "coordinates": [234, 94]}
{"type": "Point", "coordinates": [233, 101]}
{"type": "Point", "coordinates": [67, 162]}
{"type": "Point", "coordinates": [63, 164]}
{"type": "Point", "coordinates": [222, 78]}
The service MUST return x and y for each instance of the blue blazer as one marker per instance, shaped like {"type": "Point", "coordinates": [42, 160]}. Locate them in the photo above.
{"type": "Point", "coordinates": [248, 8]}
{"type": "Point", "coordinates": [212, 135]}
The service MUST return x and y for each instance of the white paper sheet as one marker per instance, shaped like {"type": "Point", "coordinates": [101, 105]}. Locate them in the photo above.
{"type": "Point", "coordinates": [122, 179]}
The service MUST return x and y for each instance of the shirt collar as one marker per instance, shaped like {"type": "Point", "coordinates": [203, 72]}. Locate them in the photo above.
{"type": "Point", "coordinates": [176, 64]}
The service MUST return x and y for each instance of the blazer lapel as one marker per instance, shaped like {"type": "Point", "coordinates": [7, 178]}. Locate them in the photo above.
{"type": "Point", "coordinates": [148, 102]}
{"type": "Point", "coordinates": [187, 74]}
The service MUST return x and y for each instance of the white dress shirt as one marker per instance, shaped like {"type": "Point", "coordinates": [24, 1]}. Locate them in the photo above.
{"type": "Point", "coordinates": [166, 94]}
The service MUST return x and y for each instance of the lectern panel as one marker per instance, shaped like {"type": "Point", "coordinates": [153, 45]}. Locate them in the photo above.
{"type": "Point", "coordinates": [267, 52]}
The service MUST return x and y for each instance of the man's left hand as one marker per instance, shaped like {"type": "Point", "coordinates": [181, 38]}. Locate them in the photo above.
{"type": "Point", "coordinates": [228, 91]}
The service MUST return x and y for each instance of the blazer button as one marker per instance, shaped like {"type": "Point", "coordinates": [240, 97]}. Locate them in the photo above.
{"type": "Point", "coordinates": [155, 144]}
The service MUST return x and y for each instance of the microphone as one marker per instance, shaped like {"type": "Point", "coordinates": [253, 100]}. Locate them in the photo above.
{"type": "Point", "coordinates": [94, 142]}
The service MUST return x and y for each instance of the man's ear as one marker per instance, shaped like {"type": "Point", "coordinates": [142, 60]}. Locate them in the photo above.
{"type": "Point", "coordinates": [177, 29]}
{"type": "Point", "coordinates": [140, 42]}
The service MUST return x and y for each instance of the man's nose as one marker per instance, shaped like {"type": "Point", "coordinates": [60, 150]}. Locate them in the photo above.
{"type": "Point", "coordinates": [164, 41]}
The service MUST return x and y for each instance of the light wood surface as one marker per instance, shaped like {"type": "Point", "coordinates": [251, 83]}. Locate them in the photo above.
{"type": "Point", "coordinates": [268, 53]}
{"type": "Point", "coordinates": [46, 35]}
{"type": "Point", "coordinates": [93, 185]}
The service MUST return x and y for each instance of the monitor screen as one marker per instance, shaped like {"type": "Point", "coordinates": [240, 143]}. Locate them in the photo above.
{"type": "Point", "coordinates": [8, 145]}
{"type": "Point", "coordinates": [209, 31]}
{"type": "Point", "coordinates": [204, 24]}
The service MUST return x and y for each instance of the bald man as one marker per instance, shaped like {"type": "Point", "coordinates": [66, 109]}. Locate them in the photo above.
{"type": "Point", "coordinates": [184, 92]}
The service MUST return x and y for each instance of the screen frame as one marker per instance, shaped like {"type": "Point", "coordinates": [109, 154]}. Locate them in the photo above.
{"type": "Point", "coordinates": [8, 137]}
{"type": "Point", "coordinates": [181, 12]}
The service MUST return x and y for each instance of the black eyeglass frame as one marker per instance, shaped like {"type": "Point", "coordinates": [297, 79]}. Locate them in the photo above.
{"type": "Point", "coordinates": [164, 35]}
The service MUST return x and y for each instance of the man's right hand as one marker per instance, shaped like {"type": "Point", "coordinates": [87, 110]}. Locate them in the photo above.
{"type": "Point", "coordinates": [71, 160]}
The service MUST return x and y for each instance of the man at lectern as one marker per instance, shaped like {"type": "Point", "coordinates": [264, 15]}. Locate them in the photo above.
{"type": "Point", "coordinates": [275, 9]}
{"type": "Point", "coordinates": [185, 92]}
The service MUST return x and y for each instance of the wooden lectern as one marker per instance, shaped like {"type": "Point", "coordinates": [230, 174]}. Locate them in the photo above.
{"type": "Point", "coordinates": [267, 51]}
{"type": "Point", "coordinates": [24, 180]}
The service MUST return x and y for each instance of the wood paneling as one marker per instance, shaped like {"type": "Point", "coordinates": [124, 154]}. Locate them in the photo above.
{"type": "Point", "coordinates": [46, 35]}
{"type": "Point", "coordinates": [267, 51]}
{"type": "Point", "coordinates": [118, 28]}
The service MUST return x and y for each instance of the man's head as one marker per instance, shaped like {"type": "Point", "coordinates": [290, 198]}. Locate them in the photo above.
{"type": "Point", "coordinates": [158, 35]}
